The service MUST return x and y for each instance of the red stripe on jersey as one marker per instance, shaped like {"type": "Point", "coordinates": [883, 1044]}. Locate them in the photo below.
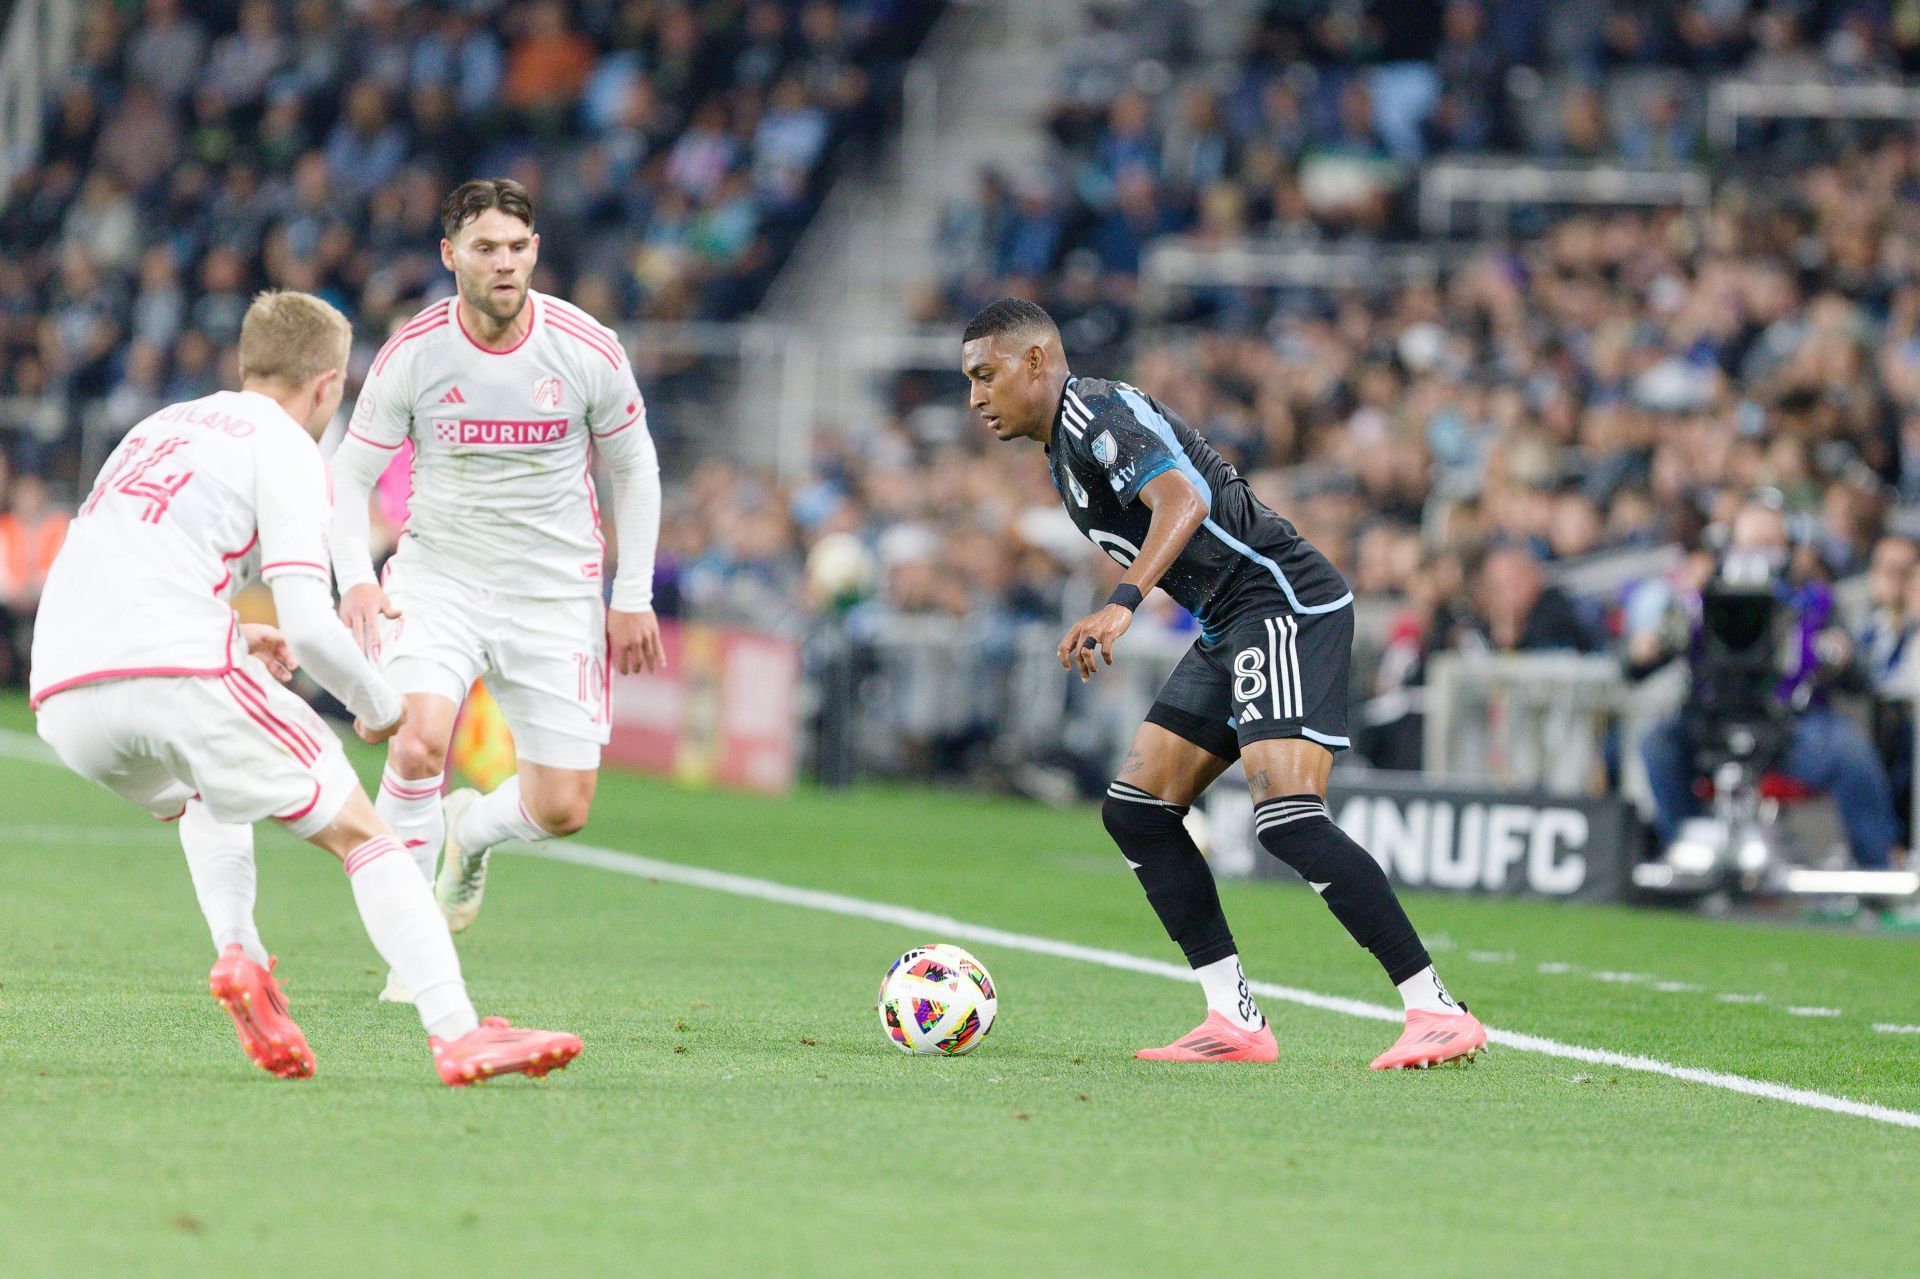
{"type": "Point", "coordinates": [414, 328]}
{"type": "Point", "coordinates": [594, 340]}
{"type": "Point", "coordinates": [318, 568]}
{"type": "Point", "coordinates": [593, 507]}
{"type": "Point", "coordinates": [601, 435]}
{"type": "Point", "coordinates": [559, 308]}
{"type": "Point", "coordinates": [533, 321]}
{"type": "Point", "coordinates": [228, 559]}
{"type": "Point", "coordinates": [124, 672]}
{"type": "Point", "coordinates": [435, 312]}
{"type": "Point", "coordinates": [364, 440]}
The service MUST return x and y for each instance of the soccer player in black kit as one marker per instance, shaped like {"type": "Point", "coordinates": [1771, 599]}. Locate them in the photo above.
{"type": "Point", "coordinates": [1266, 682]}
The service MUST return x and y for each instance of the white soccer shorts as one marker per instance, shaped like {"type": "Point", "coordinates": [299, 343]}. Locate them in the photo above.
{"type": "Point", "coordinates": [246, 746]}
{"type": "Point", "coordinates": [544, 660]}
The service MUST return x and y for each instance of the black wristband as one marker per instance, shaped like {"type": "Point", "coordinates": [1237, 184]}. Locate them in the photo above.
{"type": "Point", "coordinates": [1126, 595]}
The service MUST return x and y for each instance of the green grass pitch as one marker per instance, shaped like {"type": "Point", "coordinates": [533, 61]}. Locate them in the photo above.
{"type": "Point", "coordinates": [738, 1110]}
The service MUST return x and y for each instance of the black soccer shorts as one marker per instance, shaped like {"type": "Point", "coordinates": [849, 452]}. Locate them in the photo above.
{"type": "Point", "coordinates": [1283, 674]}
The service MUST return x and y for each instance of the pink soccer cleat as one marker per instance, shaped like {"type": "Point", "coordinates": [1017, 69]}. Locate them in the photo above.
{"type": "Point", "coordinates": [1431, 1038]}
{"type": "Point", "coordinates": [1217, 1039]}
{"type": "Point", "coordinates": [496, 1048]}
{"type": "Point", "coordinates": [252, 998]}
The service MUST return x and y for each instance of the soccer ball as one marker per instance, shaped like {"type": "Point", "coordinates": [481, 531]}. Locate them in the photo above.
{"type": "Point", "coordinates": [937, 1001]}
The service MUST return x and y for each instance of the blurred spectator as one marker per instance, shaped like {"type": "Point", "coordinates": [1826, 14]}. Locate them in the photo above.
{"type": "Point", "coordinates": [550, 62]}
{"type": "Point", "coordinates": [164, 52]}
{"type": "Point", "coordinates": [203, 152]}
{"type": "Point", "coordinates": [1520, 612]}
{"type": "Point", "coordinates": [1881, 640]}
{"type": "Point", "coordinates": [31, 531]}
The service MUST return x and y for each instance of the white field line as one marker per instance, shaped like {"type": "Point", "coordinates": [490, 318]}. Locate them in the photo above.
{"type": "Point", "coordinates": [98, 836]}
{"type": "Point", "coordinates": [21, 746]}
{"type": "Point", "coordinates": [940, 927]}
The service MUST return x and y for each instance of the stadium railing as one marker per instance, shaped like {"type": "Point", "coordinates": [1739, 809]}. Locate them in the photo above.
{"type": "Point", "coordinates": [36, 50]}
{"type": "Point", "coordinates": [1540, 720]}
{"type": "Point", "coordinates": [919, 695]}
{"type": "Point", "coordinates": [1496, 185]}
{"type": "Point", "coordinates": [1177, 262]}
{"type": "Point", "coordinates": [1731, 101]}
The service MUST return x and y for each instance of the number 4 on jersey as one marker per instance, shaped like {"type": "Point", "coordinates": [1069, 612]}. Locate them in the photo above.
{"type": "Point", "coordinates": [135, 475]}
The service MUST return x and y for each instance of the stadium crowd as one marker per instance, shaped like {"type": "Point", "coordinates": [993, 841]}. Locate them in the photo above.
{"type": "Point", "coordinates": [1600, 381]}
{"type": "Point", "coordinates": [1596, 382]}
{"type": "Point", "coordinates": [197, 152]}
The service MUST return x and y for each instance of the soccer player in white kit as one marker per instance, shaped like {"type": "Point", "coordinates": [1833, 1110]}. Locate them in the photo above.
{"type": "Point", "coordinates": [505, 393]}
{"type": "Point", "coordinates": [146, 682]}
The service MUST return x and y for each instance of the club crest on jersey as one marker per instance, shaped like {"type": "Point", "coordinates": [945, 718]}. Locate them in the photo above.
{"type": "Point", "coordinates": [546, 394]}
{"type": "Point", "coordinates": [1105, 448]}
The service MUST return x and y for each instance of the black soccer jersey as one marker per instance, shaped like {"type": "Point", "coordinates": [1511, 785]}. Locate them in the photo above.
{"type": "Point", "coordinates": [1109, 439]}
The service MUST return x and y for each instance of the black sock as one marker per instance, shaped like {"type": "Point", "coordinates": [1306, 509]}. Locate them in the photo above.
{"type": "Point", "coordinates": [1297, 830]}
{"type": "Point", "coordinates": [1171, 869]}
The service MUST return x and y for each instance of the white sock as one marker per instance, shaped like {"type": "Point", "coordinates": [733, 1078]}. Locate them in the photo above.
{"type": "Point", "coordinates": [406, 927]}
{"type": "Point", "coordinates": [411, 809]}
{"type": "Point", "coordinates": [497, 818]}
{"type": "Point", "coordinates": [1227, 993]}
{"type": "Point", "coordinates": [1427, 993]}
{"type": "Point", "coordinates": [220, 859]}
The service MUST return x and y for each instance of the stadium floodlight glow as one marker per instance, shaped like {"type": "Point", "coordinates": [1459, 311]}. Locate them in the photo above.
{"type": "Point", "coordinates": [1754, 854]}
{"type": "Point", "coordinates": [1653, 875]}
{"type": "Point", "coordinates": [1692, 856]}
{"type": "Point", "coordinates": [1858, 883]}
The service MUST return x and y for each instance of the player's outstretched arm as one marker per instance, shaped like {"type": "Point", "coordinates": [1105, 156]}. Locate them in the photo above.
{"type": "Point", "coordinates": [357, 465]}
{"type": "Point", "coordinates": [327, 652]}
{"type": "Point", "coordinates": [633, 632]}
{"type": "Point", "coordinates": [1178, 509]}
{"type": "Point", "coordinates": [270, 646]}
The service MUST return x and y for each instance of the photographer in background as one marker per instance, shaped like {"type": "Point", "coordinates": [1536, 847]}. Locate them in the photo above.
{"type": "Point", "coordinates": [1826, 750]}
{"type": "Point", "coordinates": [1886, 662]}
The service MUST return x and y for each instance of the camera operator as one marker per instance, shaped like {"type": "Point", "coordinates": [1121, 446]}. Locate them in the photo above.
{"type": "Point", "coordinates": [1825, 750]}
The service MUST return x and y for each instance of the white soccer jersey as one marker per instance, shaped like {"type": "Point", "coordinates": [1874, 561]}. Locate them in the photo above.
{"type": "Point", "coordinates": [196, 500]}
{"type": "Point", "coordinates": [503, 496]}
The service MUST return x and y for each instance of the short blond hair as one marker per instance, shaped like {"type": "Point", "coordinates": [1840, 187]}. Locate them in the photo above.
{"type": "Point", "coordinates": [292, 338]}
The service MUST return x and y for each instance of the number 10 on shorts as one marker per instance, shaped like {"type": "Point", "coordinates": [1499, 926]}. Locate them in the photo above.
{"type": "Point", "coordinates": [592, 668]}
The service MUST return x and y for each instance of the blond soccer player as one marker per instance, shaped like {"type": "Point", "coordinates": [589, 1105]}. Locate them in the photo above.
{"type": "Point", "coordinates": [505, 394]}
{"type": "Point", "coordinates": [146, 682]}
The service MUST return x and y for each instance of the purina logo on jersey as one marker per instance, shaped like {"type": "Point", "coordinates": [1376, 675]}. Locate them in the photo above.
{"type": "Point", "coordinates": [546, 394]}
{"type": "Point", "coordinates": [500, 434]}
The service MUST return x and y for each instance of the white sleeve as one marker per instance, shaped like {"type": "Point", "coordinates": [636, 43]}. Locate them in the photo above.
{"type": "Point", "coordinates": [619, 425]}
{"type": "Point", "coordinates": [357, 466]}
{"type": "Point", "coordinates": [635, 469]}
{"type": "Point", "coordinates": [381, 422]}
{"type": "Point", "coordinates": [326, 650]}
{"type": "Point", "coordinates": [290, 502]}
